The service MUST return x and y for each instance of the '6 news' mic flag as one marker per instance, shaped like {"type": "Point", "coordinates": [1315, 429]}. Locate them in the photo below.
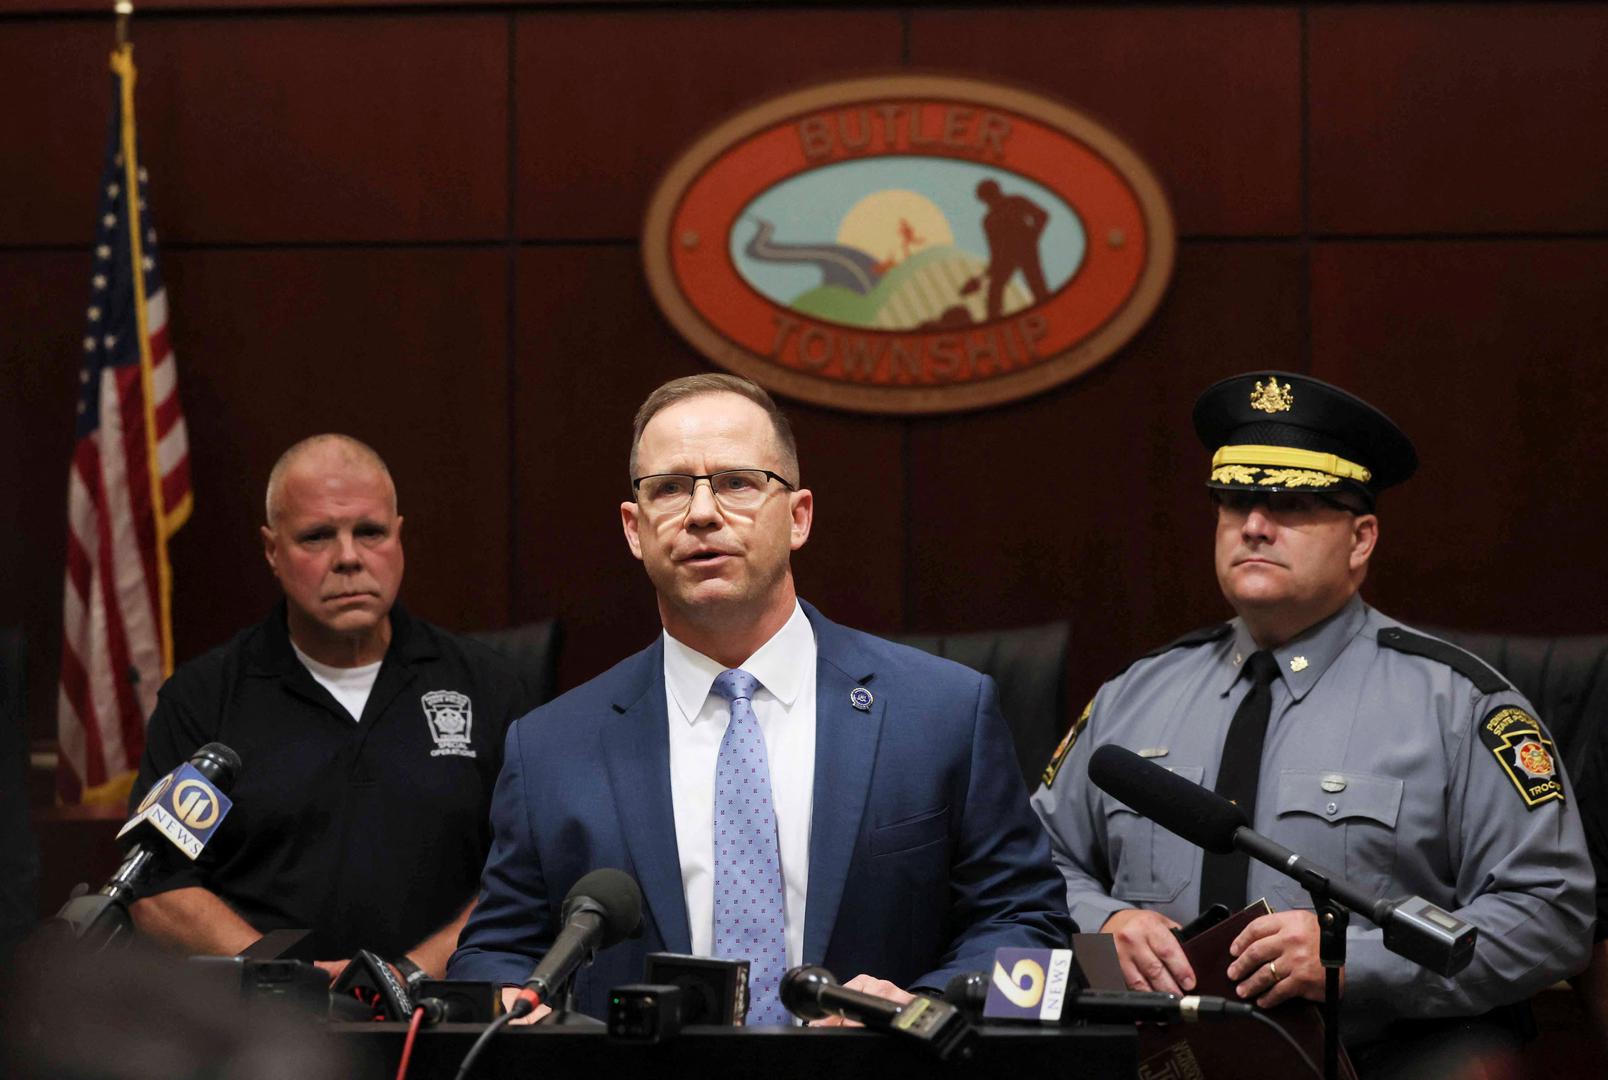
{"type": "Point", "coordinates": [128, 489]}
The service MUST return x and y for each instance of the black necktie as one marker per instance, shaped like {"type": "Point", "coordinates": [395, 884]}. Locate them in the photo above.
{"type": "Point", "coordinates": [1222, 877]}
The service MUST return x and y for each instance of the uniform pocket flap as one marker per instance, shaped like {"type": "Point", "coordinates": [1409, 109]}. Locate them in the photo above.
{"type": "Point", "coordinates": [1304, 791]}
{"type": "Point", "coordinates": [912, 832]}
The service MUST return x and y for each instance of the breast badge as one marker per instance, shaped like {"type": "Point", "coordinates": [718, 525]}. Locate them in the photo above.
{"type": "Point", "coordinates": [1525, 753]}
{"type": "Point", "coordinates": [451, 723]}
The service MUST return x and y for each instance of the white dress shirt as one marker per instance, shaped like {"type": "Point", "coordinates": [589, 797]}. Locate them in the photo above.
{"type": "Point", "coordinates": [784, 704]}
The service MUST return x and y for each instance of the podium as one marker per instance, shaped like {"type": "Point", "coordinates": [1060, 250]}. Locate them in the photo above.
{"type": "Point", "coordinates": [1104, 1052]}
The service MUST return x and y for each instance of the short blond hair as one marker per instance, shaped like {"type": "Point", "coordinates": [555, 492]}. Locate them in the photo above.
{"type": "Point", "coordinates": [691, 386]}
{"type": "Point", "coordinates": [352, 450]}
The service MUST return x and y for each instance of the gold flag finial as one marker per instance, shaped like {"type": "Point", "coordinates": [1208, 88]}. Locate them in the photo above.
{"type": "Point", "coordinates": [1272, 398]}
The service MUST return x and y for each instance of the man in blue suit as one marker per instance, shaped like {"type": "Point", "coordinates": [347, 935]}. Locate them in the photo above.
{"type": "Point", "coordinates": [784, 789]}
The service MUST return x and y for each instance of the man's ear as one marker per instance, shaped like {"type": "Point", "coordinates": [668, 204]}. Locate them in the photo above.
{"type": "Point", "coordinates": [802, 507]}
{"type": "Point", "coordinates": [629, 523]}
{"type": "Point", "coordinates": [1364, 537]}
{"type": "Point", "coordinates": [270, 549]}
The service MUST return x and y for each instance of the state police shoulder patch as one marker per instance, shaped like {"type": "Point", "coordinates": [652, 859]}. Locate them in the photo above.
{"type": "Point", "coordinates": [1525, 752]}
{"type": "Point", "coordinates": [1067, 740]}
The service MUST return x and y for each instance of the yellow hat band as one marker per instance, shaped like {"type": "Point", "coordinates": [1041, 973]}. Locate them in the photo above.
{"type": "Point", "coordinates": [1288, 457]}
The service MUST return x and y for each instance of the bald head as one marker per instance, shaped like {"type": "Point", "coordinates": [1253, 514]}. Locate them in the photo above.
{"type": "Point", "coordinates": [332, 452]}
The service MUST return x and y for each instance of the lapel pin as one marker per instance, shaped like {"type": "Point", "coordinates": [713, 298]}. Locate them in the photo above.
{"type": "Point", "coordinates": [861, 698]}
{"type": "Point", "coordinates": [1298, 663]}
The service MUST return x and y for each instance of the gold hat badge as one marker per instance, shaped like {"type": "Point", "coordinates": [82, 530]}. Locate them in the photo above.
{"type": "Point", "coordinates": [1272, 398]}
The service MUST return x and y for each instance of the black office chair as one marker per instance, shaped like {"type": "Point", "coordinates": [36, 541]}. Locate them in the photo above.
{"type": "Point", "coordinates": [534, 648]}
{"type": "Point", "coordinates": [1565, 678]}
{"type": "Point", "coordinates": [1029, 664]}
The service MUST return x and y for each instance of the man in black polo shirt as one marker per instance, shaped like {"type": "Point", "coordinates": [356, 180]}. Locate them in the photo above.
{"type": "Point", "coordinates": [369, 742]}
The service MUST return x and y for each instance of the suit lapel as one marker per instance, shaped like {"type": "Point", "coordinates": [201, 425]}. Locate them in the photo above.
{"type": "Point", "coordinates": [845, 752]}
{"type": "Point", "coordinates": [636, 747]}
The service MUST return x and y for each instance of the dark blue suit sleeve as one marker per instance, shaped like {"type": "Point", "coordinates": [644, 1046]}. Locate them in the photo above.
{"type": "Point", "coordinates": [511, 927]}
{"type": "Point", "coordinates": [1004, 890]}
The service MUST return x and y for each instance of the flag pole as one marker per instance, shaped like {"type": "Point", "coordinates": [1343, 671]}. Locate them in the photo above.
{"type": "Point", "coordinates": [125, 11]}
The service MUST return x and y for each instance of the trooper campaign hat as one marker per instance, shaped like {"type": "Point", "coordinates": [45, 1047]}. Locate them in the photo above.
{"type": "Point", "coordinates": [1276, 431]}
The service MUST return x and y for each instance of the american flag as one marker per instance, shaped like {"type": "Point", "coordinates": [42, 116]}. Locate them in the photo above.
{"type": "Point", "coordinates": [128, 489]}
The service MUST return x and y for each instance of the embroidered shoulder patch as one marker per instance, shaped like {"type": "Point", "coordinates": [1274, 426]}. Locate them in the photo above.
{"type": "Point", "coordinates": [1067, 740]}
{"type": "Point", "coordinates": [1525, 752]}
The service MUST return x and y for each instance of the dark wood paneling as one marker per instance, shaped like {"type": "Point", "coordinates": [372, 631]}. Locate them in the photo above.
{"type": "Point", "coordinates": [270, 129]}
{"type": "Point", "coordinates": [398, 348]}
{"type": "Point", "coordinates": [591, 348]}
{"type": "Point", "coordinates": [42, 300]}
{"type": "Point", "coordinates": [1088, 502]}
{"type": "Point", "coordinates": [53, 128]}
{"type": "Point", "coordinates": [607, 99]}
{"type": "Point", "coordinates": [1491, 357]}
{"type": "Point", "coordinates": [1210, 97]}
{"type": "Point", "coordinates": [1459, 118]}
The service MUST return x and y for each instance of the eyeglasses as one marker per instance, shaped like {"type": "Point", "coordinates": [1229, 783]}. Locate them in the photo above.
{"type": "Point", "coordinates": [733, 489]}
{"type": "Point", "coordinates": [1279, 503]}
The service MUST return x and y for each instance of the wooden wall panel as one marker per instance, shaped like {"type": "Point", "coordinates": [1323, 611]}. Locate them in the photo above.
{"type": "Point", "coordinates": [1088, 502]}
{"type": "Point", "coordinates": [53, 128]}
{"type": "Point", "coordinates": [264, 130]}
{"type": "Point", "coordinates": [1490, 355]}
{"type": "Point", "coordinates": [398, 348]}
{"type": "Point", "coordinates": [591, 348]}
{"type": "Point", "coordinates": [607, 99]}
{"type": "Point", "coordinates": [1209, 96]}
{"type": "Point", "coordinates": [42, 296]}
{"type": "Point", "coordinates": [1459, 118]}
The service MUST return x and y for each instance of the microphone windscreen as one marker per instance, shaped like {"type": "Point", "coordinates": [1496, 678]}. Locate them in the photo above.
{"type": "Point", "coordinates": [616, 892]}
{"type": "Point", "coordinates": [801, 988]}
{"type": "Point", "coordinates": [218, 763]}
{"type": "Point", "coordinates": [1199, 815]}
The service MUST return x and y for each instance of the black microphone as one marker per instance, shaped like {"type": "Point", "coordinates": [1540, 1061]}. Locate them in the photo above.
{"type": "Point", "coordinates": [203, 811]}
{"type": "Point", "coordinates": [601, 909]}
{"type": "Point", "coordinates": [184, 809]}
{"type": "Point", "coordinates": [1131, 1006]}
{"type": "Point", "coordinates": [1413, 927]}
{"type": "Point", "coordinates": [813, 993]}
{"type": "Point", "coordinates": [1199, 815]}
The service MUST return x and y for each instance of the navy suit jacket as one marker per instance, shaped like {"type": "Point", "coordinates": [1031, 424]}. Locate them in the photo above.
{"type": "Point", "coordinates": [924, 854]}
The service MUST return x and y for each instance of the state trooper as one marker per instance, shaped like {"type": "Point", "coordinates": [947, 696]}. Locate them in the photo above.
{"type": "Point", "coordinates": [1394, 758]}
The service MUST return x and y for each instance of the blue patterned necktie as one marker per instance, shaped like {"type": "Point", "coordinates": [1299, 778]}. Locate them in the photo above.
{"type": "Point", "coordinates": [750, 909]}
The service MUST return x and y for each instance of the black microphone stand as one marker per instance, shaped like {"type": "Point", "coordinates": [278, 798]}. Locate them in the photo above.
{"type": "Point", "coordinates": [98, 920]}
{"type": "Point", "coordinates": [565, 1014]}
{"type": "Point", "coordinates": [1333, 920]}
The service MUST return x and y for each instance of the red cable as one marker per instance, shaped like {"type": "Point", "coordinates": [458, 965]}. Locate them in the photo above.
{"type": "Point", "coordinates": [407, 1047]}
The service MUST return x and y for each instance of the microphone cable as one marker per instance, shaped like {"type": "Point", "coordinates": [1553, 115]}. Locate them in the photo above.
{"type": "Point", "coordinates": [1290, 1039]}
{"type": "Point", "coordinates": [407, 1046]}
{"type": "Point", "coordinates": [480, 1044]}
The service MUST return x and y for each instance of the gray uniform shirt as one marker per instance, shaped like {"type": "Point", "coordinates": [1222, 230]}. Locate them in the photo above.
{"type": "Point", "coordinates": [1373, 766]}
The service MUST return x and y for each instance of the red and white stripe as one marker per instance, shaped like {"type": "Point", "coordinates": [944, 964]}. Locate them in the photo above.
{"type": "Point", "coordinates": [112, 611]}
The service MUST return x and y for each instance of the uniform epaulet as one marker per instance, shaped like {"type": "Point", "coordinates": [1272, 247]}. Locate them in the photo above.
{"type": "Point", "coordinates": [1203, 636]}
{"type": "Point", "coordinates": [1485, 678]}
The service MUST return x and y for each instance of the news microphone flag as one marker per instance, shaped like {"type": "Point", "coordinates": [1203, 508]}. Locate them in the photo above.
{"type": "Point", "coordinates": [183, 806]}
{"type": "Point", "coordinates": [128, 488]}
{"type": "Point", "coordinates": [1029, 984]}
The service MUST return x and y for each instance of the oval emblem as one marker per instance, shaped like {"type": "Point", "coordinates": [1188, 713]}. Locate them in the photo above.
{"type": "Point", "coordinates": [908, 244]}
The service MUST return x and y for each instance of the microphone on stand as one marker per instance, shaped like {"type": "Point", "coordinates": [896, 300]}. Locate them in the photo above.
{"type": "Point", "coordinates": [184, 809]}
{"type": "Point", "coordinates": [1413, 927]}
{"type": "Point", "coordinates": [602, 909]}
